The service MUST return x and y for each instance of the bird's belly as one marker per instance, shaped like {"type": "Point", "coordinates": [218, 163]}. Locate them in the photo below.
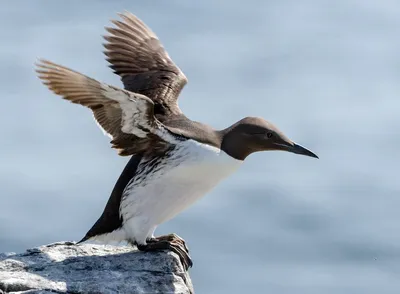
{"type": "Point", "coordinates": [182, 187]}
{"type": "Point", "coordinates": [172, 188]}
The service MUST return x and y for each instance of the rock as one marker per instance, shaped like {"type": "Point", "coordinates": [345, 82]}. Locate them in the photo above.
{"type": "Point", "coordinates": [87, 268]}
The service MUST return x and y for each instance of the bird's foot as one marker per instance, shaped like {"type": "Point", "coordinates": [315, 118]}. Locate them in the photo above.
{"type": "Point", "coordinates": [169, 242]}
{"type": "Point", "coordinates": [173, 237]}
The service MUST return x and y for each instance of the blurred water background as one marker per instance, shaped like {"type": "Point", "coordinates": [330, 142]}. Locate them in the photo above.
{"type": "Point", "coordinates": [326, 72]}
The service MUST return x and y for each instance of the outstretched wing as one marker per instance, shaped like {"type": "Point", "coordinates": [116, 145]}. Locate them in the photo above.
{"type": "Point", "coordinates": [137, 55]}
{"type": "Point", "coordinates": [128, 118]}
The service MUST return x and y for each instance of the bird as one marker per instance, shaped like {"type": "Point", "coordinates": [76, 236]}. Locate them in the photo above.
{"type": "Point", "coordinates": [174, 161]}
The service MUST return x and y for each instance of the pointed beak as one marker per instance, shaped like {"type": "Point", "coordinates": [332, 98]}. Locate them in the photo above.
{"type": "Point", "coordinates": [301, 150]}
{"type": "Point", "coordinates": [292, 147]}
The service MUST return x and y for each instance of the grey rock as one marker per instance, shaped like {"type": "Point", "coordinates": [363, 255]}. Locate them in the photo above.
{"type": "Point", "coordinates": [87, 268]}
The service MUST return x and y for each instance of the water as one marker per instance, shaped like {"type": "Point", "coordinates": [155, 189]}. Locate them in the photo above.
{"type": "Point", "coordinates": [326, 72]}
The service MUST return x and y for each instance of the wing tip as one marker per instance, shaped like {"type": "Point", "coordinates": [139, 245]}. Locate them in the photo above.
{"type": "Point", "coordinates": [126, 13]}
{"type": "Point", "coordinates": [42, 69]}
{"type": "Point", "coordinates": [41, 63]}
{"type": "Point", "coordinates": [45, 66]}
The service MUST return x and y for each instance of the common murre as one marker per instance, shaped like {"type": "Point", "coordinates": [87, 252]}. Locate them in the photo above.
{"type": "Point", "coordinates": [175, 161]}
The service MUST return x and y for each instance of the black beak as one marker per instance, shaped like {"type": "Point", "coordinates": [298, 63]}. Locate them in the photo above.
{"type": "Point", "coordinates": [301, 150]}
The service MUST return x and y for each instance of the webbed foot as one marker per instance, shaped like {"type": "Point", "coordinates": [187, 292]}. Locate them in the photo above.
{"type": "Point", "coordinates": [169, 242]}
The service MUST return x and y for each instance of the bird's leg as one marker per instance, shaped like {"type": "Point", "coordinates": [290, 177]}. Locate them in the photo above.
{"type": "Point", "coordinates": [172, 244]}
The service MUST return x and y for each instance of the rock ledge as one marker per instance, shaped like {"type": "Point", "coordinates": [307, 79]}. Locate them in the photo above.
{"type": "Point", "coordinates": [87, 268]}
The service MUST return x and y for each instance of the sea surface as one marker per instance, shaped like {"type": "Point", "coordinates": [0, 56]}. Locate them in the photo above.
{"type": "Point", "coordinates": [327, 73]}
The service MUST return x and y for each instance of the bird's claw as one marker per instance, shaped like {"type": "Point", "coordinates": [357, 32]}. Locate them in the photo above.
{"type": "Point", "coordinates": [170, 242]}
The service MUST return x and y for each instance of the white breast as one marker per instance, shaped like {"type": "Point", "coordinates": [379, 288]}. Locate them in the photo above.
{"type": "Point", "coordinates": [190, 171]}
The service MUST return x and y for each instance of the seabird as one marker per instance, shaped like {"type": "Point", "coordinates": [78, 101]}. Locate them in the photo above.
{"type": "Point", "coordinates": [174, 160]}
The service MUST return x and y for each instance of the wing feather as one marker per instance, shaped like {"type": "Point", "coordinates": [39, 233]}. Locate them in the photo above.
{"type": "Point", "coordinates": [128, 118]}
{"type": "Point", "coordinates": [136, 54]}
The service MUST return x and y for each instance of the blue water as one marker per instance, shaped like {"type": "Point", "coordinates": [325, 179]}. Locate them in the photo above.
{"type": "Point", "coordinates": [326, 72]}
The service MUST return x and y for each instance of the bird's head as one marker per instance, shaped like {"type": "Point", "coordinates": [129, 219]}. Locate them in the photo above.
{"type": "Point", "coordinates": [253, 134]}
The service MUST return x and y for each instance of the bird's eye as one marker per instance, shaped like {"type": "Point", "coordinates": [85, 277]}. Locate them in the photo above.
{"type": "Point", "coordinates": [269, 135]}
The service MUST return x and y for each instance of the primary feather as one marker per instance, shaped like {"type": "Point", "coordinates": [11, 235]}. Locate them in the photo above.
{"type": "Point", "coordinates": [127, 117]}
